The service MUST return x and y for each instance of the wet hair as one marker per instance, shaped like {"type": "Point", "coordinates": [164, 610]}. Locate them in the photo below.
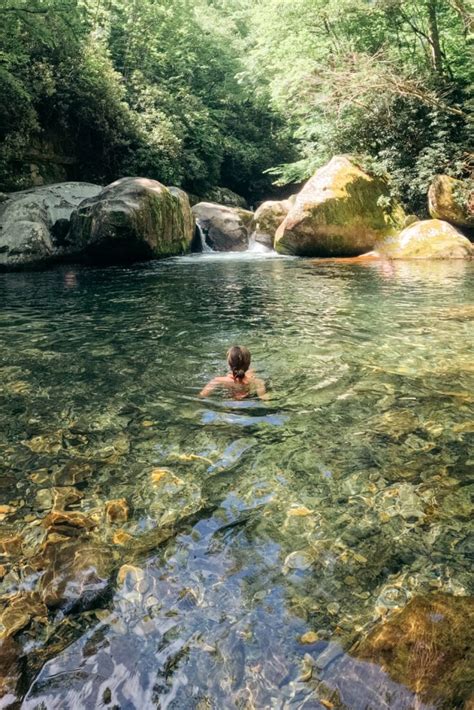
{"type": "Point", "coordinates": [238, 359]}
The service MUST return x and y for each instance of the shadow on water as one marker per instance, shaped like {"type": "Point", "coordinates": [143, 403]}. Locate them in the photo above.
{"type": "Point", "coordinates": [313, 550]}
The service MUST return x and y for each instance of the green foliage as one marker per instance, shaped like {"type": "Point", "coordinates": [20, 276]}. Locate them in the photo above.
{"type": "Point", "coordinates": [386, 79]}
{"type": "Point", "coordinates": [140, 87]}
{"type": "Point", "coordinates": [235, 92]}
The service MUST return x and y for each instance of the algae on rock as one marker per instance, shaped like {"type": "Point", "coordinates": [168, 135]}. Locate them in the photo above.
{"type": "Point", "coordinates": [341, 211]}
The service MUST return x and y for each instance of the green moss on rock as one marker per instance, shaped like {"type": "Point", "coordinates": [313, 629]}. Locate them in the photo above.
{"type": "Point", "coordinates": [341, 211]}
{"type": "Point", "coordinates": [428, 239]}
{"type": "Point", "coordinates": [452, 200]}
{"type": "Point", "coordinates": [133, 219]}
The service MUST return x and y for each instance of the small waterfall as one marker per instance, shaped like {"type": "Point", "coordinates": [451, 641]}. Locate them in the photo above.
{"type": "Point", "coordinates": [205, 248]}
{"type": "Point", "coordinates": [258, 248]}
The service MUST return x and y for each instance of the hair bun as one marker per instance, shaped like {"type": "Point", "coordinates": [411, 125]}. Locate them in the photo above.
{"type": "Point", "coordinates": [238, 374]}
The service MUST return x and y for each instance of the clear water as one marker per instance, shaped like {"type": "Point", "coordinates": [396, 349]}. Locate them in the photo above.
{"type": "Point", "coordinates": [323, 509]}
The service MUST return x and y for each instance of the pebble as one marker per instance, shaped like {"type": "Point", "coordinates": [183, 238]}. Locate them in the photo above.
{"type": "Point", "coordinates": [116, 511]}
{"type": "Point", "coordinates": [121, 537]}
{"type": "Point", "coordinates": [299, 511]}
{"type": "Point", "coordinates": [159, 475]}
{"type": "Point", "coordinates": [298, 560]}
{"type": "Point", "coordinates": [6, 510]}
{"type": "Point", "coordinates": [333, 608]}
{"type": "Point", "coordinates": [309, 637]}
{"type": "Point", "coordinates": [328, 656]}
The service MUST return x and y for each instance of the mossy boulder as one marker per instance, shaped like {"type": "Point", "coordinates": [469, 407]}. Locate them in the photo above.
{"type": "Point", "coordinates": [341, 211]}
{"type": "Point", "coordinates": [33, 223]}
{"type": "Point", "coordinates": [428, 647]}
{"type": "Point", "coordinates": [428, 239]}
{"type": "Point", "coordinates": [225, 228]}
{"type": "Point", "coordinates": [267, 219]}
{"type": "Point", "coordinates": [132, 219]}
{"type": "Point", "coordinates": [453, 201]}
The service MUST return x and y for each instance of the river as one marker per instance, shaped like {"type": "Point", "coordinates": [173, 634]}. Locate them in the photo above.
{"type": "Point", "coordinates": [257, 543]}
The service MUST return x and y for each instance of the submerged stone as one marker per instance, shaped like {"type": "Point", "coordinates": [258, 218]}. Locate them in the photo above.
{"type": "Point", "coordinates": [73, 473]}
{"type": "Point", "coordinates": [76, 574]}
{"type": "Point", "coordinates": [10, 545]}
{"type": "Point", "coordinates": [429, 647]}
{"type": "Point", "coordinates": [19, 611]}
{"type": "Point", "coordinates": [12, 667]}
{"type": "Point", "coordinates": [67, 522]}
{"type": "Point", "coordinates": [309, 637]}
{"type": "Point", "coordinates": [116, 511]}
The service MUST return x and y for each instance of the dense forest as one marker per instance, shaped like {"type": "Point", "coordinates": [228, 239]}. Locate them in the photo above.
{"type": "Point", "coordinates": [237, 93]}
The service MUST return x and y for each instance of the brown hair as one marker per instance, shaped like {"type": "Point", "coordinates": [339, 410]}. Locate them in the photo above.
{"type": "Point", "coordinates": [238, 359]}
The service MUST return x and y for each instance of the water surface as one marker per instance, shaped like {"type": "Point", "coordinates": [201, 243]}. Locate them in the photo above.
{"type": "Point", "coordinates": [325, 509]}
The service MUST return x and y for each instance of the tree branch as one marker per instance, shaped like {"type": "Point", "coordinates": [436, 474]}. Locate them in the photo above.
{"type": "Point", "coordinates": [29, 10]}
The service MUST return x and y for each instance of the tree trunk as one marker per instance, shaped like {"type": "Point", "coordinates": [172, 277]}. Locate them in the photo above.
{"type": "Point", "coordinates": [436, 53]}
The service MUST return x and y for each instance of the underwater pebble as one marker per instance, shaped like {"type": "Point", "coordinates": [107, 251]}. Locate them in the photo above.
{"type": "Point", "coordinates": [299, 511]}
{"type": "Point", "coordinates": [121, 537]}
{"type": "Point", "coordinates": [309, 637]}
{"type": "Point", "coordinates": [116, 511]}
{"type": "Point", "coordinates": [328, 656]}
{"type": "Point", "coordinates": [298, 560]}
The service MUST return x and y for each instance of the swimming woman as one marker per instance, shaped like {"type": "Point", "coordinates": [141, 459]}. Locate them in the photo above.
{"type": "Point", "coordinates": [240, 380]}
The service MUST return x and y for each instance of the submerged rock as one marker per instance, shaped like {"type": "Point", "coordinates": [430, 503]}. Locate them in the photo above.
{"type": "Point", "coordinates": [428, 647]}
{"type": "Point", "coordinates": [116, 511]}
{"type": "Point", "coordinates": [76, 574]}
{"type": "Point", "coordinates": [132, 219]}
{"type": "Point", "coordinates": [452, 200]}
{"type": "Point", "coordinates": [429, 239]}
{"type": "Point", "coordinates": [12, 666]}
{"type": "Point", "coordinates": [341, 211]}
{"type": "Point", "coordinates": [33, 223]}
{"type": "Point", "coordinates": [226, 228]}
{"type": "Point", "coordinates": [266, 221]}
{"type": "Point", "coordinates": [20, 609]}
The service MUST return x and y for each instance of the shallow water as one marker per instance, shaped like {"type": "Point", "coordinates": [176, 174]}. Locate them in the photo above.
{"type": "Point", "coordinates": [325, 509]}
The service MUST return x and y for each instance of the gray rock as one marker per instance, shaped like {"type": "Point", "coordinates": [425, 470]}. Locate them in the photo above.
{"type": "Point", "coordinates": [225, 196]}
{"type": "Point", "coordinates": [33, 222]}
{"type": "Point", "coordinates": [226, 228]}
{"type": "Point", "coordinates": [328, 656]}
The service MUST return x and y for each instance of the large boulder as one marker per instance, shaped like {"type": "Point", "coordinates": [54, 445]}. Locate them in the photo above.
{"type": "Point", "coordinates": [266, 221]}
{"type": "Point", "coordinates": [33, 223]}
{"type": "Point", "coordinates": [452, 200]}
{"type": "Point", "coordinates": [225, 228]}
{"type": "Point", "coordinates": [224, 196]}
{"type": "Point", "coordinates": [130, 220]}
{"type": "Point", "coordinates": [429, 239]}
{"type": "Point", "coordinates": [341, 211]}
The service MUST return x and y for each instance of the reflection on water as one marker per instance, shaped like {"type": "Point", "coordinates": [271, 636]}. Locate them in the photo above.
{"type": "Point", "coordinates": [159, 550]}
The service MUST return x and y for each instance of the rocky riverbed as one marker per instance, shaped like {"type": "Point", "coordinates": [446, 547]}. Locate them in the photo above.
{"type": "Point", "coordinates": [155, 546]}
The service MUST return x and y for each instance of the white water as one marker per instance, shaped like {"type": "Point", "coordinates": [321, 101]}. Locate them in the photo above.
{"type": "Point", "coordinates": [205, 248]}
{"type": "Point", "coordinates": [257, 248]}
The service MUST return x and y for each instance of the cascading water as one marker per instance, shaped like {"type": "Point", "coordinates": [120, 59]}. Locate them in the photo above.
{"type": "Point", "coordinates": [205, 248]}
{"type": "Point", "coordinates": [258, 248]}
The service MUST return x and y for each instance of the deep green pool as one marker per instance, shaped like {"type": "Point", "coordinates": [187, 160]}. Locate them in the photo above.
{"type": "Point", "coordinates": [324, 509]}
